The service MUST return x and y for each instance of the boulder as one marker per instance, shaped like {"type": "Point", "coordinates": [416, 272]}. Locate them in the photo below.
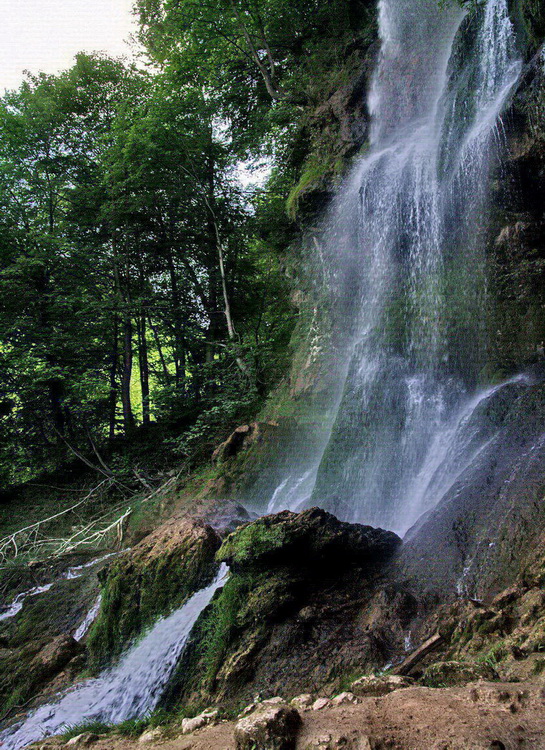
{"type": "Point", "coordinates": [344, 699]}
{"type": "Point", "coordinates": [82, 740]}
{"type": "Point", "coordinates": [309, 538]}
{"type": "Point", "coordinates": [374, 686]}
{"type": "Point", "coordinates": [302, 702]}
{"type": "Point", "coordinates": [55, 656]}
{"type": "Point", "coordinates": [269, 727]}
{"type": "Point", "coordinates": [152, 735]}
{"type": "Point", "coordinates": [197, 722]}
{"type": "Point", "coordinates": [321, 703]}
{"type": "Point", "coordinates": [225, 516]}
{"type": "Point", "coordinates": [242, 439]}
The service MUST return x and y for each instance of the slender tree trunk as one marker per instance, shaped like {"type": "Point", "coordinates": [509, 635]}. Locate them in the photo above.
{"type": "Point", "coordinates": [179, 344]}
{"type": "Point", "coordinates": [113, 379]}
{"type": "Point", "coordinates": [157, 340]}
{"type": "Point", "coordinates": [128, 417]}
{"type": "Point", "coordinates": [144, 367]}
{"type": "Point", "coordinates": [217, 244]}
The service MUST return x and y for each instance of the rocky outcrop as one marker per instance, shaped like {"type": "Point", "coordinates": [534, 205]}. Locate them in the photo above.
{"type": "Point", "coordinates": [304, 579]}
{"type": "Point", "coordinates": [311, 538]}
{"type": "Point", "coordinates": [493, 516]}
{"type": "Point", "coordinates": [153, 579]}
{"type": "Point", "coordinates": [242, 439]}
{"type": "Point", "coordinates": [56, 655]}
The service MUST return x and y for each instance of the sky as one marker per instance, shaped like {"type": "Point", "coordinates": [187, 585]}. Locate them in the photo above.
{"type": "Point", "coordinates": [44, 35]}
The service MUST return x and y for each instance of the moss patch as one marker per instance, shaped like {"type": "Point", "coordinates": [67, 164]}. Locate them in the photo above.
{"type": "Point", "coordinates": [157, 577]}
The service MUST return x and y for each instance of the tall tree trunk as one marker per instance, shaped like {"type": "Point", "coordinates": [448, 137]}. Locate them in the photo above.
{"type": "Point", "coordinates": [166, 373]}
{"type": "Point", "coordinates": [144, 367]}
{"type": "Point", "coordinates": [179, 343]}
{"type": "Point", "coordinates": [217, 245]}
{"type": "Point", "coordinates": [112, 406]}
{"type": "Point", "coordinates": [128, 416]}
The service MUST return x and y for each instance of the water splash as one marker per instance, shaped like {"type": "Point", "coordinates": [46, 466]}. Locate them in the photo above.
{"type": "Point", "coordinates": [131, 689]}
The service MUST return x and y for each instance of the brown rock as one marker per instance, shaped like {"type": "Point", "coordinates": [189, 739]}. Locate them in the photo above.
{"type": "Point", "coordinates": [241, 439]}
{"type": "Point", "coordinates": [55, 656]}
{"type": "Point", "coordinates": [82, 740]}
{"type": "Point", "coordinates": [376, 686]}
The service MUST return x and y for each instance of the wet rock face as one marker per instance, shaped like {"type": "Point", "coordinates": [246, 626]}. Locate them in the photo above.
{"type": "Point", "coordinates": [56, 655]}
{"type": "Point", "coordinates": [225, 516]}
{"type": "Point", "coordinates": [152, 580]}
{"type": "Point", "coordinates": [476, 539]}
{"type": "Point", "coordinates": [313, 537]}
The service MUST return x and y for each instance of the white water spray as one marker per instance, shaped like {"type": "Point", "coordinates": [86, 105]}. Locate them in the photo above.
{"type": "Point", "coordinates": [405, 239]}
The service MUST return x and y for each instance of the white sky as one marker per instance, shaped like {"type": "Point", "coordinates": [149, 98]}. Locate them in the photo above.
{"type": "Point", "coordinates": [44, 35]}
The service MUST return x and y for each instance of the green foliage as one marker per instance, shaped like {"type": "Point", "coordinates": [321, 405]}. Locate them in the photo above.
{"type": "Point", "coordinates": [94, 727]}
{"type": "Point", "coordinates": [221, 625]}
{"type": "Point", "coordinates": [131, 728]}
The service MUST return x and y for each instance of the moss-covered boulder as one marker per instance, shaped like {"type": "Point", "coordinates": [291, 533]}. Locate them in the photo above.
{"type": "Point", "coordinates": [153, 579]}
{"type": "Point", "coordinates": [289, 618]}
{"type": "Point", "coordinates": [313, 537]}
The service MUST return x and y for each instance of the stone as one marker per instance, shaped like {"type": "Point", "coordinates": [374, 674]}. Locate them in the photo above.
{"type": "Point", "coordinates": [197, 722]}
{"type": "Point", "coordinates": [375, 686]}
{"type": "Point", "coordinates": [313, 535]}
{"type": "Point", "coordinates": [152, 735]}
{"type": "Point", "coordinates": [242, 439]}
{"type": "Point", "coordinates": [303, 701]}
{"type": "Point", "coordinates": [277, 700]}
{"type": "Point", "coordinates": [321, 703]}
{"type": "Point", "coordinates": [55, 656]}
{"type": "Point", "coordinates": [191, 725]}
{"type": "Point", "coordinates": [344, 699]}
{"type": "Point", "coordinates": [87, 738]}
{"type": "Point", "coordinates": [269, 727]}
{"type": "Point", "coordinates": [247, 710]}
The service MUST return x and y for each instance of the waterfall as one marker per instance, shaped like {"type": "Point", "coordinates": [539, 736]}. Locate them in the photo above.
{"type": "Point", "coordinates": [131, 689]}
{"type": "Point", "coordinates": [405, 243]}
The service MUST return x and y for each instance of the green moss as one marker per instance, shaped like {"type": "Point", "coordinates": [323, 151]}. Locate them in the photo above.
{"type": "Point", "coordinates": [251, 541]}
{"type": "Point", "coordinates": [136, 592]}
{"type": "Point", "coordinates": [317, 174]}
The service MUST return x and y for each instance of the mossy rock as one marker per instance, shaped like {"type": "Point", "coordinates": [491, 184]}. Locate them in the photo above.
{"type": "Point", "coordinates": [451, 673]}
{"type": "Point", "coordinates": [155, 578]}
{"type": "Point", "coordinates": [308, 538]}
{"type": "Point", "coordinates": [287, 570]}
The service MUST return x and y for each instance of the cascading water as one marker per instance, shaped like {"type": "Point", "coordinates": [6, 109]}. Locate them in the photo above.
{"type": "Point", "coordinates": [405, 240]}
{"type": "Point", "coordinates": [131, 689]}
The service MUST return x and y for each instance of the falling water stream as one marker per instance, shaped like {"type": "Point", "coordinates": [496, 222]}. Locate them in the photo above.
{"type": "Point", "coordinates": [405, 242]}
{"type": "Point", "coordinates": [130, 689]}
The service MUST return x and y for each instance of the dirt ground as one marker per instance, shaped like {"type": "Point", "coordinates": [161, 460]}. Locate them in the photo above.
{"type": "Point", "coordinates": [480, 716]}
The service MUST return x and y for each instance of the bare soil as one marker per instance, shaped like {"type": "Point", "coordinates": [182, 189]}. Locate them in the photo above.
{"type": "Point", "coordinates": [479, 716]}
